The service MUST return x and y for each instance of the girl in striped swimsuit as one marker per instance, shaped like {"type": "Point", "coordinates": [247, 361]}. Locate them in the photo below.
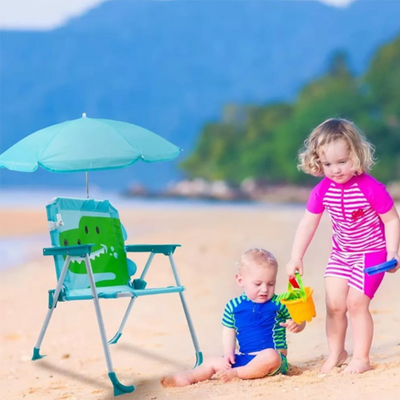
{"type": "Point", "coordinates": [366, 232]}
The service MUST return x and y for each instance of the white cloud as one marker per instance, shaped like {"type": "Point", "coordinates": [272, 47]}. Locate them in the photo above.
{"type": "Point", "coordinates": [41, 14]}
{"type": "Point", "coordinates": [48, 14]}
{"type": "Point", "coordinates": [339, 3]}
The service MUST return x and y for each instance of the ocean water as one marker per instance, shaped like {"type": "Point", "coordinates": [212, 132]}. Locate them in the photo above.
{"type": "Point", "coordinates": [16, 251]}
{"type": "Point", "coordinates": [33, 198]}
{"type": "Point", "coordinates": [19, 250]}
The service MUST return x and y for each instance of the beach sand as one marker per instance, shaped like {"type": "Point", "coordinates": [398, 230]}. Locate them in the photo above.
{"type": "Point", "coordinates": [156, 340]}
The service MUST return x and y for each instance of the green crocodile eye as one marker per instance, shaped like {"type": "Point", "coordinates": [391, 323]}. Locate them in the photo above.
{"type": "Point", "coordinates": [86, 229]}
{"type": "Point", "coordinates": [97, 229]}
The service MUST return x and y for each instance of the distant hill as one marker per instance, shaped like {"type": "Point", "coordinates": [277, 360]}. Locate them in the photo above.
{"type": "Point", "coordinates": [171, 66]}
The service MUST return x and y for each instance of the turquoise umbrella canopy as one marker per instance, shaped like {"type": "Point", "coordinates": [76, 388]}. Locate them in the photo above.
{"type": "Point", "coordinates": [87, 144]}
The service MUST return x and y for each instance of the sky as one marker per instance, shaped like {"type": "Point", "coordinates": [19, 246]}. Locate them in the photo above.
{"type": "Point", "coordinates": [49, 14]}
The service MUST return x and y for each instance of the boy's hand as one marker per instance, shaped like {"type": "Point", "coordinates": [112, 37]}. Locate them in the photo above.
{"type": "Point", "coordinates": [229, 359]}
{"type": "Point", "coordinates": [390, 256]}
{"type": "Point", "coordinates": [294, 265]}
{"type": "Point", "coordinates": [292, 326]}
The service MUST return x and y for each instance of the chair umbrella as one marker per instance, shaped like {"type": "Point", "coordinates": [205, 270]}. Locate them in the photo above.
{"type": "Point", "coordinates": [87, 144]}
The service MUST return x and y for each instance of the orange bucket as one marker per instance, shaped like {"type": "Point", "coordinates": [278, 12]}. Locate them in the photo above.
{"type": "Point", "coordinates": [299, 301]}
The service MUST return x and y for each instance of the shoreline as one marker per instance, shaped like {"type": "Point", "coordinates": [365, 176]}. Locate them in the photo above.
{"type": "Point", "coordinates": [32, 198]}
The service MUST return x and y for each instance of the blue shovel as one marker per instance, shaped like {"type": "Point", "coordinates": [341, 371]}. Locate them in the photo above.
{"type": "Point", "coordinates": [376, 269]}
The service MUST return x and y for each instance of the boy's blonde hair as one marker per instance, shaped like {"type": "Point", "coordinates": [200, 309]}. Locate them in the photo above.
{"type": "Point", "coordinates": [256, 256]}
{"type": "Point", "coordinates": [361, 151]}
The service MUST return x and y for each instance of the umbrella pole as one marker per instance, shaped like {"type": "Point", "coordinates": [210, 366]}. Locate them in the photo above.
{"type": "Point", "coordinates": [87, 184]}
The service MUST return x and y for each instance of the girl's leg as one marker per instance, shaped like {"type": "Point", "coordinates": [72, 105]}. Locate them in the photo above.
{"type": "Point", "coordinates": [363, 328]}
{"type": "Point", "coordinates": [264, 363]}
{"type": "Point", "coordinates": [201, 373]}
{"type": "Point", "coordinates": [336, 321]}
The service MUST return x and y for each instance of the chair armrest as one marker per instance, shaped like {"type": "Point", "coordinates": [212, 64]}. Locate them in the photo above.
{"type": "Point", "coordinates": [165, 249]}
{"type": "Point", "coordinates": [77, 250]}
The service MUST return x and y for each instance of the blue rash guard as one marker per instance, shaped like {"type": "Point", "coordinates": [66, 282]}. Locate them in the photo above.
{"type": "Point", "coordinates": [257, 325]}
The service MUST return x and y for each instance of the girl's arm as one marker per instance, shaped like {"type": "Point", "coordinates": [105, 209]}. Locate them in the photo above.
{"type": "Point", "coordinates": [229, 345]}
{"type": "Point", "coordinates": [391, 221]}
{"type": "Point", "coordinates": [304, 234]}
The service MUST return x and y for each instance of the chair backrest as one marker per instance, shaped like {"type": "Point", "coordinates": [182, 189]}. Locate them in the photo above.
{"type": "Point", "coordinates": [85, 221]}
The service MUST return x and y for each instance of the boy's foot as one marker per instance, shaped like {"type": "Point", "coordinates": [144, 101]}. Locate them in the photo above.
{"type": "Point", "coordinates": [357, 367]}
{"type": "Point", "coordinates": [226, 375]}
{"type": "Point", "coordinates": [334, 361]}
{"type": "Point", "coordinates": [177, 380]}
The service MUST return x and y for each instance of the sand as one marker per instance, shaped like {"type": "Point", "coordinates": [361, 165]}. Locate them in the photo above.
{"type": "Point", "coordinates": [156, 339]}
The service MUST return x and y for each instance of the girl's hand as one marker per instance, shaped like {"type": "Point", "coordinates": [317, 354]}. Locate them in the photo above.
{"type": "Point", "coordinates": [229, 359]}
{"type": "Point", "coordinates": [294, 265]}
{"type": "Point", "coordinates": [390, 256]}
{"type": "Point", "coordinates": [292, 326]}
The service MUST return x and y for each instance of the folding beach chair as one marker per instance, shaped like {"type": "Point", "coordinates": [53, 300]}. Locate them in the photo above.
{"type": "Point", "coordinates": [91, 264]}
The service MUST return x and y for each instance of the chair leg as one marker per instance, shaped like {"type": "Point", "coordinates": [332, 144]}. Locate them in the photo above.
{"type": "Point", "coordinates": [199, 354]}
{"type": "Point", "coordinates": [36, 349]}
{"type": "Point", "coordinates": [118, 334]}
{"type": "Point", "coordinates": [119, 388]}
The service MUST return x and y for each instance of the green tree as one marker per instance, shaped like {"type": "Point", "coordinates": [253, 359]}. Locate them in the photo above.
{"type": "Point", "coordinates": [216, 153]}
{"type": "Point", "coordinates": [335, 94]}
{"type": "Point", "coordinates": [263, 142]}
{"type": "Point", "coordinates": [383, 82]}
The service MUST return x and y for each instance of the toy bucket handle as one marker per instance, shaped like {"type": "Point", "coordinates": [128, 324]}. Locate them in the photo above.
{"type": "Point", "coordinates": [300, 287]}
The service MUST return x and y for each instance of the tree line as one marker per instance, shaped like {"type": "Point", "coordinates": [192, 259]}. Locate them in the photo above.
{"type": "Point", "coordinates": [262, 142]}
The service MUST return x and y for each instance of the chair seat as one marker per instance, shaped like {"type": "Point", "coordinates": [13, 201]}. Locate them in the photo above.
{"type": "Point", "coordinates": [113, 292]}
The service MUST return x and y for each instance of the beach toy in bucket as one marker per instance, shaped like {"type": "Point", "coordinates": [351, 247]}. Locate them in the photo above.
{"type": "Point", "coordinates": [298, 300]}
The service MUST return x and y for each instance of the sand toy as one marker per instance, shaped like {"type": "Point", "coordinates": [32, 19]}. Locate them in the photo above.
{"type": "Point", "coordinates": [298, 300]}
{"type": "Point", "coordinates": [376, 269]}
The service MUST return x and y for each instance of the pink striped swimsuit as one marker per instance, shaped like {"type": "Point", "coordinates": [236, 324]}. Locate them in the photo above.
{"type": "Point", "coordinates": [358, 239]}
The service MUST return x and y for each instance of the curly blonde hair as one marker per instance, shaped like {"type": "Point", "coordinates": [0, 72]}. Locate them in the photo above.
{"type": "Point", "coordinates": [256, 256]}
{"type": "Point", "coordinates": [329, 131]}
